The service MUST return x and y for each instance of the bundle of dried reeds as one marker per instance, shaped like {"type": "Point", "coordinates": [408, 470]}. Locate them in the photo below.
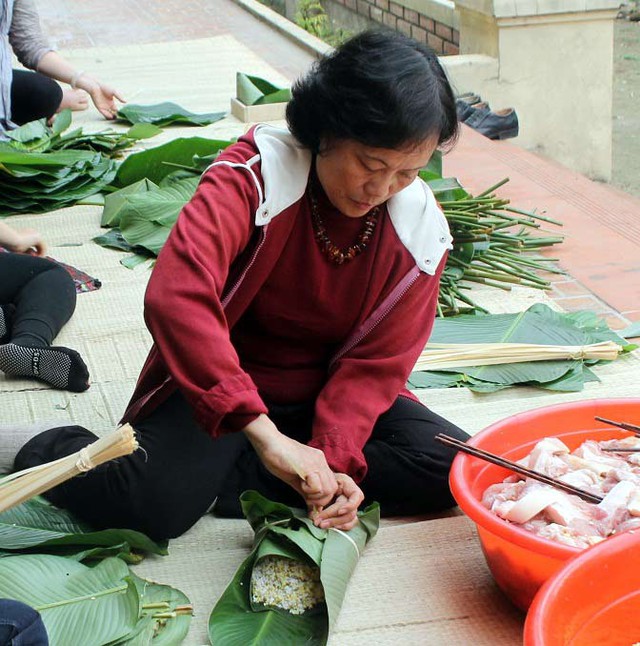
{"type": "Point", "coordinates": [23, 485]}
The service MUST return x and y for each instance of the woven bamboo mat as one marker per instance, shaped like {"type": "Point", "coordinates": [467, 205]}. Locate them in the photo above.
{"type": "Point", "coordinates": [417, 583]}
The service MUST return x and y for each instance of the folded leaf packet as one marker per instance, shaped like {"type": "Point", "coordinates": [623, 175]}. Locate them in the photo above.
{"type": "Point", "coordinates": [253, 90]}
{"type": "Point", "coordinates": [290, 588]}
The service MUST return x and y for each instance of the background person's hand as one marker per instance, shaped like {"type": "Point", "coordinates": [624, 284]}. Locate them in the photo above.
{"type": "Point", "coordinates": [103, 96]}
{"type": "Point", "coordinates": [342, 513]}
{"type": "Point", "coordinates": [25, 240]}
{"type": "Point", "coordinates": [302, 467]}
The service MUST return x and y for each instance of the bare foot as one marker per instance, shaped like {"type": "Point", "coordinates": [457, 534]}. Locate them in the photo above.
{"type": "Point", "coordinates": [75, 99]}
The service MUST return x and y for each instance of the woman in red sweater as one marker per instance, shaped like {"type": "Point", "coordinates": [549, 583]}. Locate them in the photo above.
{"type": "Point", "coordinates": [288, 308]}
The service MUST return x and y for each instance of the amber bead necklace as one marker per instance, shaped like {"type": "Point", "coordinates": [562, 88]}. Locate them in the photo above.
{"type": "Point", "coordinates": [328, 248]}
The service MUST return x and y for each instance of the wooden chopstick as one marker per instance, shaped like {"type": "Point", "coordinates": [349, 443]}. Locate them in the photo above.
{"type": "Point", "coordinates": [517, 468]}
{"type": "Point", "coordinates": [627, 427]}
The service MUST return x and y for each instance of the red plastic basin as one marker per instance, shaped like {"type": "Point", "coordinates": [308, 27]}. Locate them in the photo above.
{"type": "Point", "coordinates": [519, 560]}
{"type": "Point", "coordinates": [594, 600]}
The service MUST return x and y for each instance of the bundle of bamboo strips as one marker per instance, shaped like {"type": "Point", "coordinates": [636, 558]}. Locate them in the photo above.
{"type": "Point", "coordinates": [492, 245]}
{"type": "Point", "coordinates": [437, 356]}
{"type": "Point", "coordinates": [21, 486]}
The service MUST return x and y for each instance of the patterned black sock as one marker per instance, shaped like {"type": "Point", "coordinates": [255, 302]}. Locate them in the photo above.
{"type": "Point", "coordinates": [6, 315]}
{"type": "Point", "coordinates": [60, 367]}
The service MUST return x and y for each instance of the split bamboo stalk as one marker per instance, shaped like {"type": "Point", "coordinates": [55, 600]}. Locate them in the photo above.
{"type": "Point", "coordinates": [437, 356]}
{"type": "Point", "coordinates": [22, 485]}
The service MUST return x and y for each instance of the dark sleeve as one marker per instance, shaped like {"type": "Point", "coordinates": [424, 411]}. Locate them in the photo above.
{"type": "Point", "coordinates": [366, 381]}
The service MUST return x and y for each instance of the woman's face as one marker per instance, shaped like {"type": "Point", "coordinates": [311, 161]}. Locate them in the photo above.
{"type": "Point", "coordinates": [356, 177]}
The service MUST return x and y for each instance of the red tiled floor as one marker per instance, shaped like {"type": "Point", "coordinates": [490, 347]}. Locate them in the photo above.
{"type": "Point", "coordinates": [569, 288]}
{"type": "Point", "coordinates": [601, 224]}
{"type": "Point", "coordinates": [81, 23]}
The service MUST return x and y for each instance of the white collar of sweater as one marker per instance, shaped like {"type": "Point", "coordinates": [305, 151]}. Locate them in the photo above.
{"type": "Point", "coordinates": [415, 214]}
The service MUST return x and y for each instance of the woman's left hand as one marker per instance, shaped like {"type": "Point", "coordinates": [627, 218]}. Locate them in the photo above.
{"type": "Point", "coordinates": [342, 513]}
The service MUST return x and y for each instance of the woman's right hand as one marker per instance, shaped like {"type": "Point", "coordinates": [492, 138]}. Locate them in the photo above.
{"type": "Point", "coordinates": [302, 467]}
{"type": "Point", "coordinates": [102, 95]}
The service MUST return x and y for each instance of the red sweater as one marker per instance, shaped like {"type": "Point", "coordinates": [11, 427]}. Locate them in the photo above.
{"type": "Point", "coordinates": [239, 311]}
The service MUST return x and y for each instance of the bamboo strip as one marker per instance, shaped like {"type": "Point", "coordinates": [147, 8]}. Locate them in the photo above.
{"type": "Point", "coordinates": [436, 356]}
{"type": "Point", "coordinates": [21, 486]}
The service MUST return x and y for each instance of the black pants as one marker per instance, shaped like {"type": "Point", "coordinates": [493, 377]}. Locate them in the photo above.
{"type": "Point", "coordinates": [165, 488]}
{"type": "Point", "coordinates": [42, 293]}
{"type": "Point", "coordinates": [33, 96]}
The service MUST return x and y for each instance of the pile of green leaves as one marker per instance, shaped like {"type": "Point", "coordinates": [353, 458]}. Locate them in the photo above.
{"type": "Point", "coordinates": [283, 531]}
{"type": "Point", "coordinates": [44, 557]}
{"type": "Point", "coordinates": [538, 324]}
{"type": "Point", "coordinates": [166, 114]}
{"type": "Point", "coordinates": [156, 184]}
{"type": "Point", "coordinates": [43, 168]}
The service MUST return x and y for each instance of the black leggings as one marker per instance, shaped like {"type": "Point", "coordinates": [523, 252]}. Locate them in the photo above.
{"type": "Point", "coordinates": [33, 96]}
{"type": "Point", "coordinates": [166, 486]}
{"type": "Point", "coordinates": [43, 295]}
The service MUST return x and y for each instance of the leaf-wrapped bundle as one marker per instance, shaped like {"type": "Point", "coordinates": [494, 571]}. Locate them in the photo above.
{"type": "Point", "coordinates": [288, 537]}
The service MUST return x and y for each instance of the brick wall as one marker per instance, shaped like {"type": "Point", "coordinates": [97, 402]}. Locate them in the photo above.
{"type": "Point", "coordinates": [441, 37]}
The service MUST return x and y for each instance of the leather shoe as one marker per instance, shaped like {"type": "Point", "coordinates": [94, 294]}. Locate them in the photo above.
{"type": "Point", "coordinates": [501, 124]}
{"type": "Point", "coordinates": [465, 110]}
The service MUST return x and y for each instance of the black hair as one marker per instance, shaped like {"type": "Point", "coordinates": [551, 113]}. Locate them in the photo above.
{"type": "Point", "coordinates": [380, 88]}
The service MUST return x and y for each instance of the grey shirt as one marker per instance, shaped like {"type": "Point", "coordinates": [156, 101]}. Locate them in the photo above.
{"type": "Point", "coordinates": [19, 30]}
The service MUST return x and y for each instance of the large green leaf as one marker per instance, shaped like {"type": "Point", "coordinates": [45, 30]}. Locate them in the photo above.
{"type": "Point", "coordinates": [90, 606]}
{"type": "Point", "coordinates": [538, 324]}
{"type": "Point", "coordinates": [164, 114]}
{"type": "Point", "coordinates": [284, 531]}
{"type": "Point", "coordinates": [433, 169]}
{"type": "Point", "coordinates": [165, 615]}
{"type": "Point", "coordinates": [77, 553]}
{"type": "Point", "coordinates": [36, 523]}
{"type": "Point", "coordinates": [113, 240]}
{"type": "Point", "coordinates": [34, 131]}
{"type": "Point", "coordinates": [142, 131]}
{"type": "Point", "coordinates": [61, 122]}
{"type": "Point", "coordinates": [57, 159]}
{"type": "Point", "coordinates": [114, 202]}
{"type": "Point", "coordinates": [146, 219]}
{"type": "Point", "coordinates": [156, 163]}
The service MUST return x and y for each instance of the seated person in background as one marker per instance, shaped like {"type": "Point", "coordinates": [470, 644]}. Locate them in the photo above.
{"type": "Point", "coordinates": [37, 297]}
{"type": "Point", "coordinates": [288, 308]}
{"type": "Point", "coordinates": [26, 96]}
